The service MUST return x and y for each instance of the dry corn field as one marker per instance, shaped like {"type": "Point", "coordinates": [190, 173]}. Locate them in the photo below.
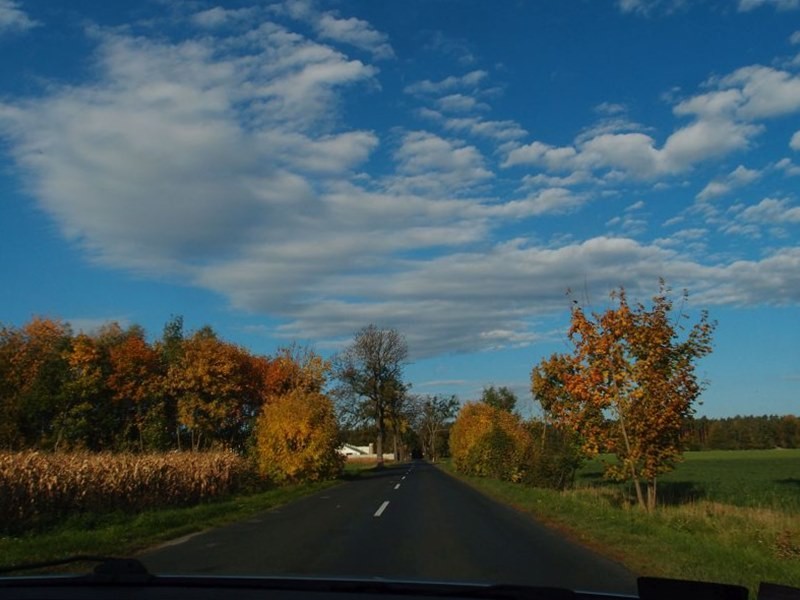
{"type": "Point", "coordinates": [38, 488]}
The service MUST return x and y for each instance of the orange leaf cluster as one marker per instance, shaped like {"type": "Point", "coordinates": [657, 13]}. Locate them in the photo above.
{"type": "Point", "coordinates": [628, 386]}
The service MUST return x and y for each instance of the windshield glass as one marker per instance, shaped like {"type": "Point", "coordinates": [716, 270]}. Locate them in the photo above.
{"type": "Point", "coordinates": [433, 290]}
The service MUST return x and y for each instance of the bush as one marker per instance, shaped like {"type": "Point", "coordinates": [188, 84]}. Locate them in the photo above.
{"type": "Point", "coordinates": [297, 438]}
{"type": "Point", "coordinates": [490, 442]}
{"type": "Point", "coordinates": [557, 457]}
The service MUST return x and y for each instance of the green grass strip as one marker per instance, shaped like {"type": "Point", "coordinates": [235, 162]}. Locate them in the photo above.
{"type": "Point", "coordinates": [706, 541]}
{"type": "Point", "coordinates": [117, 534]}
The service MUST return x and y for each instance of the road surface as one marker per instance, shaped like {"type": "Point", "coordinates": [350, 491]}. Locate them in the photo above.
{"type": "Point", "coordinates": [405, 522]}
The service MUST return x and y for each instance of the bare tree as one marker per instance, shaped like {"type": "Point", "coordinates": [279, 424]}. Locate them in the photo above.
{"type": "Point", "coordinates": [434, 414]}
{"type": "Point", "coordinates": [370, 372]}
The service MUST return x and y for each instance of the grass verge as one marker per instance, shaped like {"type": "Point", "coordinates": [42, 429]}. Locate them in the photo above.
{"type": "Point", "coordinates": [119, 534]}
{"type": "Point", "coordinates": [701, 540]}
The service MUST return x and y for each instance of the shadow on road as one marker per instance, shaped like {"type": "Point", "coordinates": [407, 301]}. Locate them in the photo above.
{"type": "Point", "coordinates": [375, 472]}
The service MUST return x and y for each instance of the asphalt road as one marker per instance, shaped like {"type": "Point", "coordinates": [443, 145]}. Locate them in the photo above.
{"type": "Point", "coordinates": [406, 522]}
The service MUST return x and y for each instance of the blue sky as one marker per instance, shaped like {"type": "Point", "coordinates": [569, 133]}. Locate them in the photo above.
{"type": "Point", "coordinates": [297, 170]}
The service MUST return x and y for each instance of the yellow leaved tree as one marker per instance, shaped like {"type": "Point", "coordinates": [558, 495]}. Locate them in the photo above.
{"type": "Point", "coordinates": [297, 437]}
{"type": "Point", "coordinates": [297, 434]}
{"type": "Point", "coordinates": [490, 442]}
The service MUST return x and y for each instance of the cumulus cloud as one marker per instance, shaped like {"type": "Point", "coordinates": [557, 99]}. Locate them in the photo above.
{"type": "Point", "coordinates": [228, 166]}
{"type": "Point", "coordinates": [739, 177]}
{"type": "Point", "coordinates": [179, 152]}
{"type": "Point", "coordinates": [725, 120]}
{"type": "Point", "coordinates": [772, 211]}
{"type": "Point", "coordinates": [460, 103]}
{"type": "Point", "coordinates": [794, 143]}
{"type": "Point", "coordinates": [355, 32]}
{"type": "Point", "coordinates": [453, 301]}
{"type": "Point", "coordinates": [636, 154]}
{"type": "Point", "coordinates": [330, 26]}
{"type": "Point", "coordinates": [13, 18]}
{"type": "Point", "coordinates": [427, 87]}
{"type": "Point", "coordinates": [428, 163]}
{"type": "Point", "coordinates": [218, 16]}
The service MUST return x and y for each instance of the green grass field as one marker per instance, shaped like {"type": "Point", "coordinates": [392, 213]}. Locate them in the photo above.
{"type": "Point", "coordinates": [730, 517]}
{"type": "Point", "coordinates": [754, 478]}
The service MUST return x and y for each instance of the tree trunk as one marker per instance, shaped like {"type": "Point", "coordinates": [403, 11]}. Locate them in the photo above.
{"type": "Point", "coordinates": [634, 475]}
{"type": "Point", "coordinates": [651, 494]}
{"type": "Point", "coordinates": [381, 436]}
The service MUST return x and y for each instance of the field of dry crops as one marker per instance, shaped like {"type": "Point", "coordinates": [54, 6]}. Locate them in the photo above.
{"type": "Point", "coordinates": [38, 489]}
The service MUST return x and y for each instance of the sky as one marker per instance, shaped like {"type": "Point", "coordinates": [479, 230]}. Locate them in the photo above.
{"type": "Point", "coordinates": [458, 170]}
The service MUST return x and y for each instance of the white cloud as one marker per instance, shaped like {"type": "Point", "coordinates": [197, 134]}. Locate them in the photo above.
{"type": "Point", "coordinates": [177, 151]}
{"type": "Point", "coordinates": [13, 18]}
{"type": "Point", "coordinates": [218, 16]}
{"type": "Point", "coordinates": [427, 87]}
{"type": "Point", "coordinates": [453, 302]}
{"type": "Point", "coordinates": [748, 5]}
{"type": "Point", "coordinates": [636, 154]}
{"type": "Point", "coordinates": [429, 164]}
{"type": "Point", "coordinates": [610, 108]}
{"type": "Point", "coordinates": [543, 202]}
{"type": "Point", "coordinates": [460, 103]}
{"type": "Point", "coordinates": [739, 177]}
{"type": "Point", "coordinates": [500, 131]}
{"type": "Point", "coordinates": [772, 210]}
{"type": "Point", "coordinates": [355, 32]}
{"type": "Point", "coordinates": [794, 39]}
{"type": "Point", "coordinates": [794, 143]}
{"type": "Point", "coordinates": [765, 92]}
{"type": "Point", "coordinates": [574, 178]}
{"type": "Point", "coordinates": [330, 26]}
{"type": "Point", "coordinates": [788, 167]}
{"type": "Point", "coordinates": [646, 7]}
{"type": "Point", "coordinates": [232, 171]}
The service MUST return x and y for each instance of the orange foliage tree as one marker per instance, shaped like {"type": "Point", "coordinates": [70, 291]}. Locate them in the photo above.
{"type": "Point", "coordinates": [217, 390]}
{"type": "Point", "coordinates": [628, 387]}
{"type": "Point", "coordinates": [133, 380]}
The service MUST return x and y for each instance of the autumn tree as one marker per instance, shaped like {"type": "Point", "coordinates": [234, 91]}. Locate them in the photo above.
{"type": "Point", "coordinates": [434, 414]}
{"type": "Point", "coordinates": [628, 386]}
{"type": "Point", "coordinates": [216, 390]}
{"type": "Point", "coordinates": [133, 382]}
{"type": "Point", "coordinates": [501, 397]}
{"type": "Point", "coordinates": [370, 374]}
{"type": "Point", "coordinates": [491, 442]}
{"type": "Point", "coordinates": [77, 423]}
{"type": "Point", "coordinates": [34, 367]}
{"type": "Point", "coordinates": [297, 434]}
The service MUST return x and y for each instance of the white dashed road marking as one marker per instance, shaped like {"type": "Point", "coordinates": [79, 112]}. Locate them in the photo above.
{"type": "Point", "coordinates": [382, 508]}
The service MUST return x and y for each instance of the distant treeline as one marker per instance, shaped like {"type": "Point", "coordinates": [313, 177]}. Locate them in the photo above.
{"type": "Point", "coordinates": [743, 433]}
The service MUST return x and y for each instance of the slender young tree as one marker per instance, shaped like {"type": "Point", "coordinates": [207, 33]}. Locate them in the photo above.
{"type": "Point", "coordinates": [629, 386]}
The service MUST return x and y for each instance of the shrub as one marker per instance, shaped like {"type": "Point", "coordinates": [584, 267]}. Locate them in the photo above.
{"type": "Point", "coordinates": [490, 442]}
{"type": "Point", "coordinates": [297, 437]}
{"type": "Point", "coordinates": [557, 457]}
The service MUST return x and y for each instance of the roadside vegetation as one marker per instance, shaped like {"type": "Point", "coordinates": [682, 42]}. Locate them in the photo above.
{"type": "Point", "coordinates": [729, 517]}
{"type": "Point", "coordinates": [606, 463]}
{"type": "Point", "coordinates": [110, 443]}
